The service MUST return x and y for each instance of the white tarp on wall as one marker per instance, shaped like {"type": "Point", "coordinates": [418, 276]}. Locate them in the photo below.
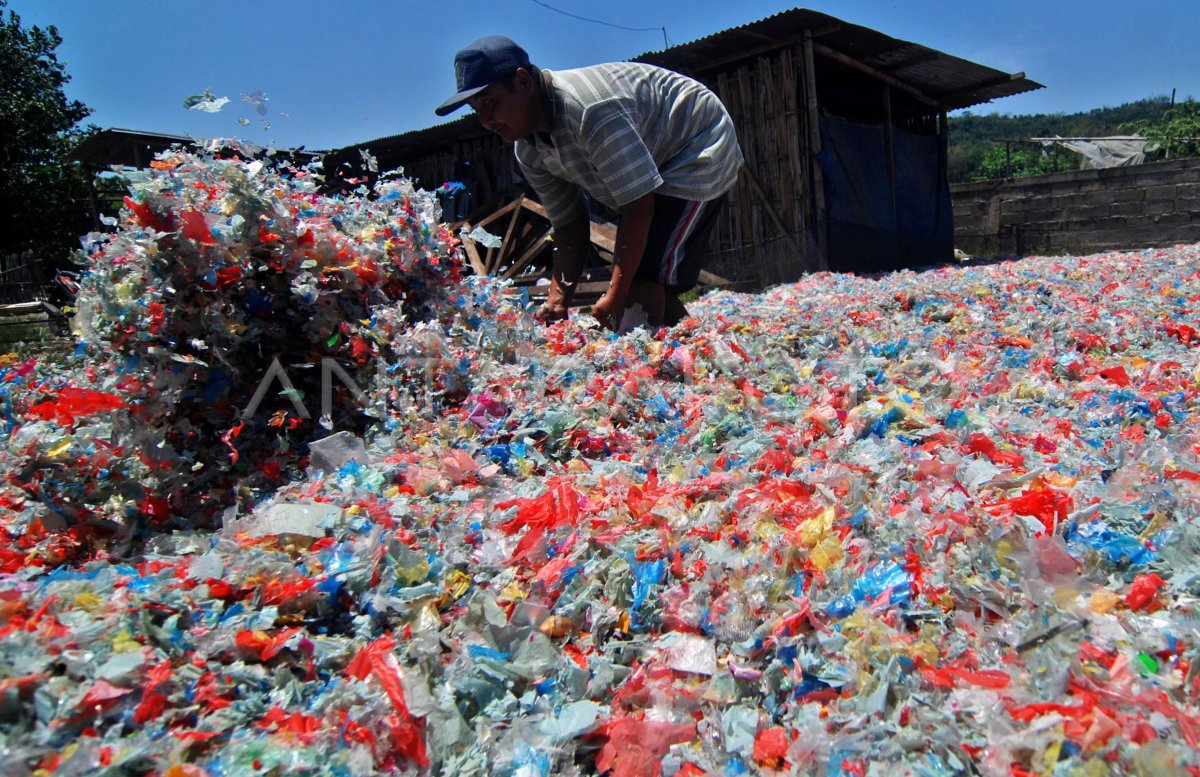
{"type": "Point", "coordinates": [1117, 151]}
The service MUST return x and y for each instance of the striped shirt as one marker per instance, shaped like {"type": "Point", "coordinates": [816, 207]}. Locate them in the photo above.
{"type": "Point", "coordinates": [623, 130]}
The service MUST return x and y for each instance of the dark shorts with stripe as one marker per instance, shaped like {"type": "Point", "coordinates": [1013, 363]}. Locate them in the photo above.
{"type": "Point", "coordinates": [678, 241]}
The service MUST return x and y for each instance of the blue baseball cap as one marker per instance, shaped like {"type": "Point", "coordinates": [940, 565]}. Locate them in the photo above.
{"type": "Point", "coordinates": [480, 65]}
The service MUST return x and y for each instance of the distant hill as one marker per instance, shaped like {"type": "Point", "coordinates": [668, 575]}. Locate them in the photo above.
{"type": "Point", "coordinates": [971, 135]}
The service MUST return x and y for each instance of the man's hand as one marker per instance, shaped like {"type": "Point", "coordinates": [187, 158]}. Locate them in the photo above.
{"type": "Point", "coordinates": [551, 311]}
{"type": "Point", "coordinates": [610, 309]}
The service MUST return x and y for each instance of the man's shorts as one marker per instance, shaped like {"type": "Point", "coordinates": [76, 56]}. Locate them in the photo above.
{"type": "Point", "coordinates": [678, 241]}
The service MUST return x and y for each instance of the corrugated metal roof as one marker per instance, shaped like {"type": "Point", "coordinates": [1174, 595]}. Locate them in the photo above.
{"type": "Point", "coordinates": [950, 81]}
{"type": "Point", "coordinates": [463, 128]}
{"type": "Point", "coordinates": [115, 146]}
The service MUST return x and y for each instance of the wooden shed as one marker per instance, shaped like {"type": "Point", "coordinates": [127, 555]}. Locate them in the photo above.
{"type": "Point", "coordinates": [844, 130]}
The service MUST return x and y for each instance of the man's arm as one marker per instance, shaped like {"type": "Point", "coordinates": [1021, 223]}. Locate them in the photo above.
{"type": "Point", "coordinates": [571, 244]}
{"type": "Point", "coordinates": [632, 233]}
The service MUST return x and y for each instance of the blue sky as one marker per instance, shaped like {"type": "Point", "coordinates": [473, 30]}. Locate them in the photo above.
{"type": "Point", "coordinates": [339, 73]}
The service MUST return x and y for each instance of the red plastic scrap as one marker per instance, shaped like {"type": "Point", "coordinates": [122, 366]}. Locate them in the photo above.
{"type": "Point", "coordinates": [559, 505]}
{"type": "Point", "coordinates": [378, 660]}
{"type": "Point", "coordinates": [150, 707]}
{"type": "Point", "coordinates": [261, 645]}
{"type": "Point", "coordinates": [1143, 592]}
{"type": "Point", "coordinates": [979, 442]}
{"type": "Point", "coordinates": [1087, 341]}
{"type": "Point", "coordinates": [948, 677]}
{"type": "Point", "coordinates": [21, 687]}
{"type": "Point", "coordinates": [297, 725]}
{"type": "Point", "coordinates": [1012, 341]}
{"type": "Point", "coordinates": [551, 574]}
{"type": "Point", "coordinates": [228, 438]}
{"type": "Point", "coordinates": [144, 215]}
{"type": "Point", "coordinates": [1116, 375]}
{"type": "Point", "coordinates": [209, 696]}
{"type": "Point", "coordinates": [1048, 505]}
{"type": "Point", "coordinates": [1155, 701]}
{"type": "Point", "coordinates": [1026, 713]}
{"type": "Point", "coordinates": [72, 403]}
{"type": "Point", "coordinates": [1184, 333]}
{"type": "Point", "coordinates": [635, 747]}
{"type": "Point", "coordinates": [103, 695]}
{"type": "Point", "coordinates": [352, 731]}
{"type": "Point", "coordinates": [770, 747]}
{"type": "Point", "coordinates": [195, 227]}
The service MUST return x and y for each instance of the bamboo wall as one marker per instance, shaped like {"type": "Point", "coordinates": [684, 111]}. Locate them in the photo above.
{"type": "Point", "coordinates": [766, 227]}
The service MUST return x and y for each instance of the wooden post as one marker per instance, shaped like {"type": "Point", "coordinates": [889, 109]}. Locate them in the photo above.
{"type": "Point", "coordinates": [89, 172]}
{"type": "Point", "coordinates": [814, 139]}
{"type": "Point", "coordinates": [797, 164]}
{"type": "Point", "coordinates": [944, 139]}
{"type": "Point", "coordinates": [944, 167]}
{"type": "Point", "coordinates": [890, 143]}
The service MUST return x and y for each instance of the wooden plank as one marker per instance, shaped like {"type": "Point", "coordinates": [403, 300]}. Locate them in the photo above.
{"type": "Point", "coordinates": [473, 257]}
{"type": "Point", "coordinates": [814, 134]}
{"type": "Point", "coordinates": [603, 234]}
{"type": "Point", "coordinates": [536, 207]}
{"type": "Point", "coordinates": [604, 239]}
{"type": "Point", "coordinates": [712, 279]}
{"type": "Point", "coordinates": [538, 246]}
{"type": "Point", "coordinates": [525, 235]}
{"type": "Point", "coordinates": [796, 156]}
{"type": "Point", "coordinates": [28, 309]}
{"type": "Point", "coordinates": [727, 229]}
{"type": "Point", "coordinates": [889, 142]}
{"type": "Point", "coordinates": [506, 247]}
{"type": "Point", "coordinates": [488, 219]}
{"type": "Point", "coordinates": [749, 147]}
{"type": "Point", "coordinates": [863, 67]}
{"type": "Point", "coordinates": [787, 183]}
{"type": "Point", "coordinates": [743, 53]}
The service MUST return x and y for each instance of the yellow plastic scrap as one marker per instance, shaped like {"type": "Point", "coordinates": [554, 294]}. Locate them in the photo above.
{"type": "Point", "coordinates": [511, 593]}
{"type": "Point", "coordinates": [1051, 754]}
{"type": "Point", "coordinates": [925, 648]}
{"type": "Point", "coordinates": [412, 575]}
{"type": "Point", "coordinates": [89, 602]}
{"type": "Point", "coordinates": [125, 643]}
{"type": "Point", "coordinates": [1103, 601]}
{"type": "Point", "coordinates": [766, 530]}
{"type": "Point", "coordinates": [817, 528]}
{"type": "Point", "coordinates": [457, 583]}
{"type": "Point", "coordinates": [827, 553]}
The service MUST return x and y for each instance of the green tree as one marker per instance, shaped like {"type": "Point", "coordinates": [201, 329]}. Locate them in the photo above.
{"type": "Point", "coordinates": [1177, 133]}
{"type": "Point", "coordinates": [41, 189]}
{"type": "Point", "coordinates": [995, 163]}
{"type": "Point", "coordinates": [973, 135]}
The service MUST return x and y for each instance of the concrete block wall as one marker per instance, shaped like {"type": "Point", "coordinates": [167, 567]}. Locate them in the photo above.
{"type": "Point", "coordinates": [1080, 212]}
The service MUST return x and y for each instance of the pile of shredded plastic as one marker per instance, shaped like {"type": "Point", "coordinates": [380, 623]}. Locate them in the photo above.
{"type": "Point", "coordinates": [927, 523]}
{"type": "Point", "coordinates": [226, 281]}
